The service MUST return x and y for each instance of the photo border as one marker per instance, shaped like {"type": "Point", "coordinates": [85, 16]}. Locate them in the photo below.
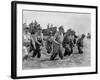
{"type": "Point", "coordinates": [14, 38]}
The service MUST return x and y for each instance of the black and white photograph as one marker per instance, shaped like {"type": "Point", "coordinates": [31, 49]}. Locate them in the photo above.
{"type": "Point", "coordinates": [54, 39]}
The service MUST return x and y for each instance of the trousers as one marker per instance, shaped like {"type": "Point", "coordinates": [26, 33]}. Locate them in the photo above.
{"type": "Point", "coordinates": [57, 50]}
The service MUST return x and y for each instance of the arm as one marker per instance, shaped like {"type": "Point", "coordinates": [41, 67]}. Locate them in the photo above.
{"type": "Point", "coordinates": [55, 36]}
{"type": "Point", "coordinates": [35, 38]}
{"type": "Point", "coordinates": [43, 44]}
{"type": "Point", "coordinates": [29, 36]}
{"type": "Point", "coordinates": [33, 42]}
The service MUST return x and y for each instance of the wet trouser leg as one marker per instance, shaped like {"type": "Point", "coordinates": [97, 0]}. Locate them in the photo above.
{"type": "Point", "coordinates": [60, 51]}
{"type": "Point", "coordinates": [80, 49]}
{"type": "Point", "coordinates": [60, 55]}
{"type": "Point", "coordinates": [67, 52]}
{"type": "Point", "coordinates": [37, 50]}
{"type": "Point", "coordinates": [38, 53]}
{"type": "Point", "coordinates": [34, 54]}
{"type": "Point", "coordinates": [53, 56]}
{"type": "Point", "coordinates": [71, 49]}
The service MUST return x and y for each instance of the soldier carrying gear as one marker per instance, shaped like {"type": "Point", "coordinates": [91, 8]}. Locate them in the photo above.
{"type": "Point", "coordinates": [80, 44]}
{"type": "Point", "coordinates": [49, 42]}
{"type": "Point", "coordinates": [69, 42]}
{"type": "Point", "coordinates": [66, 46]}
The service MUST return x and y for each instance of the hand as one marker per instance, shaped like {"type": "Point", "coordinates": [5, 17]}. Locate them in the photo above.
{"type": "Point", "coordinates": [34, 47]}
{"type": "Point", "coordinates": [38, 43]}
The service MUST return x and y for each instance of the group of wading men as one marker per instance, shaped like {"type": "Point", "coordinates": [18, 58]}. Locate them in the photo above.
{"type": "Point", "coordinates": [54, 44]}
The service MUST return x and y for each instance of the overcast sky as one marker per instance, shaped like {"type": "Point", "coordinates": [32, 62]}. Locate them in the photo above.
{"type": "Point", "coordinates": [81, 23]}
